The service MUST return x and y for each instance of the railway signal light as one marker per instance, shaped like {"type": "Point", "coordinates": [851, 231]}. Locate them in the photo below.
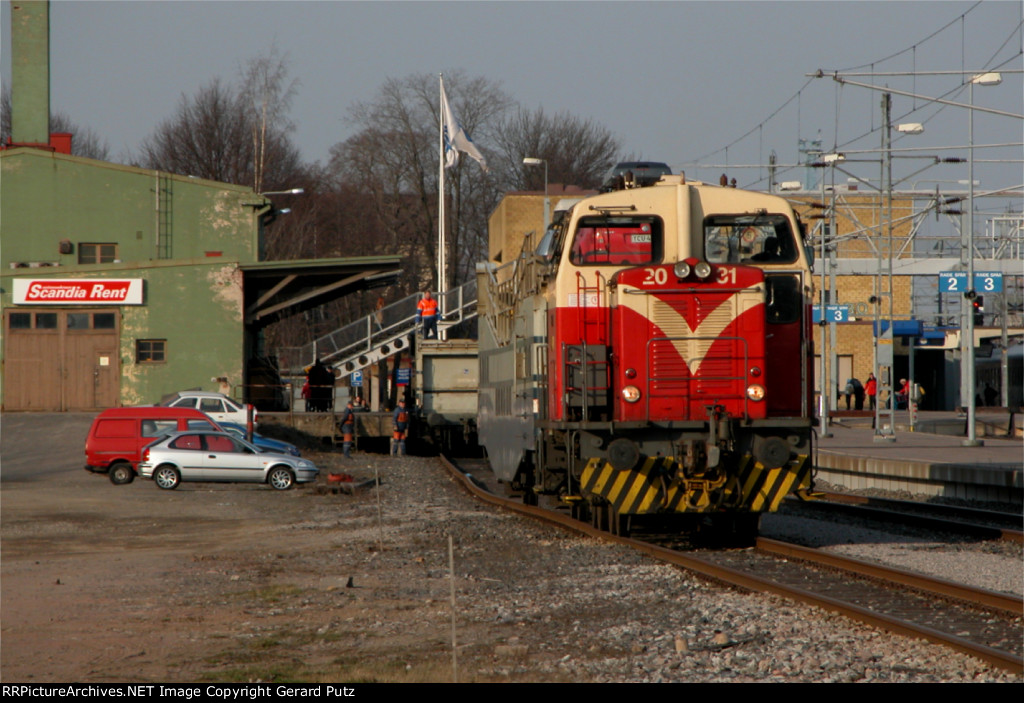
{"type": "Point", "coordinates": [979, 310]}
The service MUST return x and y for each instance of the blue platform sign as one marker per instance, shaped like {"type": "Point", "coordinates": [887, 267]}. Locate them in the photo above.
{"type": "Point", "coordinates": [357, 378]}
{"type": "Point", "coordinates": [953, 281]}
{"type": "Point", "coordinates": [988, 281]}
{"type": "Point", "coordinates": [984, 281]}
{"type": "Point", "coordinates": [403, 376]}
{"type": "Point", "coordinates": [833, 313]}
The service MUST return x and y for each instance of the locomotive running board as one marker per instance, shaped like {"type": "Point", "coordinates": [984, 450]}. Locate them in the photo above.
{"type": "Point", "coordinates": [649, 488]}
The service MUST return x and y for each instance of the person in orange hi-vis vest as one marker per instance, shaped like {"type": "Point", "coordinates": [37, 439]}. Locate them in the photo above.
{"type": "Point", "coordinates": [426, 310]}
{"type": "Point", "coordinates": [401, 425]}
{"type": "Point", "coordinates": [348, 428]}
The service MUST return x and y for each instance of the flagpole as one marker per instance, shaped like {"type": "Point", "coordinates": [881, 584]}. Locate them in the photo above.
{"type": "Point", "coordinates": [441, 283]}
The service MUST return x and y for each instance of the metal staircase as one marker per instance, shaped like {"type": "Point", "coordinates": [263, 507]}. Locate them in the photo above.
{"type": "Point", "coordinates": [380, 334]}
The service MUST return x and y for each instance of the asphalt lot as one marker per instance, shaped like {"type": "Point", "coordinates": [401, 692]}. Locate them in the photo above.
{"type": "Point", "coordinates": [42, 445]}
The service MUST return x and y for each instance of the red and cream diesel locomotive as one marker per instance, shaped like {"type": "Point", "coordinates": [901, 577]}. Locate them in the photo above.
{"type": "Point", "coordinates": [651, 360]}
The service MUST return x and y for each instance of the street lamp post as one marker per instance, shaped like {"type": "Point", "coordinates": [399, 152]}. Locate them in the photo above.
{"type": "Point", "coordinates": [533, 161]}
{"type": "Point", "coordinates": [274, 212]}
{"type": "Point", "coordinates": [884, 352]}
{"type": "Point", "coordinates": [967, 249]}
{"type": "Point", "coordinates": [824, 384]}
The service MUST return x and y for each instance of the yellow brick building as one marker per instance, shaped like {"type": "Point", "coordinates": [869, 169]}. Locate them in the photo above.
{"type": "Point", "coordinates": [859, 230]}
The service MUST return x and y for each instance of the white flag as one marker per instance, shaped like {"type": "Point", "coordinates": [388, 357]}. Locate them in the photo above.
{"type": "Point", "coordinates": [455, 138]}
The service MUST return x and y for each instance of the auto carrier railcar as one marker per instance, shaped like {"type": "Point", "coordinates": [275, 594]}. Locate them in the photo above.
{"type": "Point", "coordinates": [650, 359]}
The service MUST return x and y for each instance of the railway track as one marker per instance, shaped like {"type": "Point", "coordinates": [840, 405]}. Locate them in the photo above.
{"type": "Point", "coordinates": [955, 519]}
{"type": "Point", "coordinates": [982, 623]}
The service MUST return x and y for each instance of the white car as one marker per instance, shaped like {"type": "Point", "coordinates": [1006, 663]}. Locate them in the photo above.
{"type": "Point", "coordinates": [216, 405]}
{"type": "Point", "coordinates": [219, 457]}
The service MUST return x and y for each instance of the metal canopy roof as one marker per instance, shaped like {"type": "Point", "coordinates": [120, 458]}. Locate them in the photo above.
{"type": "Point", "coordinates": [275, 290]}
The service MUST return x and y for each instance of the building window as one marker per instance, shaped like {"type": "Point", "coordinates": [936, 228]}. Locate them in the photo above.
{"type": "Point", "coordinates": [104, 321]}
{"type": "Point", "coordinates": [150, 351]}
{"type": "Point", "coordinates": [46, 320]}
{"type": "Point", "coordinates": [91, 253]}
{"type": "Point", "coordinates": [21, 321]}
{"type": "Point", "coordinates": [78, 320]}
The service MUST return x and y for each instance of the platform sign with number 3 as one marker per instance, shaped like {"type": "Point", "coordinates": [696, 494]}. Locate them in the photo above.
{"type": "Point", "coordinates": [988, 281]}
{"type": "Point", "coordinates": [833, 313]}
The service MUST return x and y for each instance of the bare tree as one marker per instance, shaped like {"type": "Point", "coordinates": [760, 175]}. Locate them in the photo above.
{"type": "Point", "coordinates": [208, 137]}
{"type": "Point", "coordinates": [393, 159]}
{"type": "Point", "coordinates": [268, 93]}
{"type": "Point", "coordinates": [218, 134]}
{"type": "Point", "coordinates": [578, 151]}
{"type": "Point", "coordinates": [85, 141]}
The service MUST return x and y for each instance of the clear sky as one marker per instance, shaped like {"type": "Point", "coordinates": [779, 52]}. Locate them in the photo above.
{"type": "Point", "coordinates": [675, 81]}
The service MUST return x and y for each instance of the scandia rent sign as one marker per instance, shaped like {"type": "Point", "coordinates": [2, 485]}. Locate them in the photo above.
{"type": "Point", "coordinates": [84, 291]}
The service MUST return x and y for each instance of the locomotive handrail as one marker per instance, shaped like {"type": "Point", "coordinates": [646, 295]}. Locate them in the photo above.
{"type": "Point", "coordinates": [716, 289]}
{"type": "Point", "coordinates": [507, 285]}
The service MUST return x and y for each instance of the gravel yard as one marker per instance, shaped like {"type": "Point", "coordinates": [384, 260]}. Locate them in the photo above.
{"type": "Point", "coordinates": [241, 583]}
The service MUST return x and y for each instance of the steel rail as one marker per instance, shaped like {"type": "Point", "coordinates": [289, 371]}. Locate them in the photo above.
{"type": "Point", "coordinates": [1012, 605]}
{"type": "Point", "coordinates": [734, 577]}
{"type": "Point", "coordinates": [958, 520]}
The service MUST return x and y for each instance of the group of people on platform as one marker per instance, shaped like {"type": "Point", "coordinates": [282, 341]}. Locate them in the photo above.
{"type": "Point", "coordinates": [856, 392]}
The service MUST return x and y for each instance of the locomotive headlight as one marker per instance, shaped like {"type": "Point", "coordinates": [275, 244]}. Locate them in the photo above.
{"type": "Point", "coordinates": [631, 394]}
{"type": "Point", "coordinates": [703, 269]}
{"type": "Point", "coordinates": [755, 392]}
{"type": "Point", "coordinates": [681, 269]}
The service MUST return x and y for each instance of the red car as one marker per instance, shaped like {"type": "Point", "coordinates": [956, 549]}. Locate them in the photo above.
{"type": "Point", "coordinates": [118, 436]}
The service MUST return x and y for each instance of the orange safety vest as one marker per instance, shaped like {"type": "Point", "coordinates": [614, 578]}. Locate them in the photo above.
{"type": "Point", "coordinates": [427, 308]}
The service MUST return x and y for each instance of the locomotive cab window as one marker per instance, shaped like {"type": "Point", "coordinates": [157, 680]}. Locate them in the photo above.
{"type": "Point", "coordinates": [616, 241]}
{"type": "Point", "coordinates": [749, 239]}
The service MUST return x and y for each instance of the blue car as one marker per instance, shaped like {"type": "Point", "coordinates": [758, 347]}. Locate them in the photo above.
{"type": "Point", "coordinates": [263, 443]}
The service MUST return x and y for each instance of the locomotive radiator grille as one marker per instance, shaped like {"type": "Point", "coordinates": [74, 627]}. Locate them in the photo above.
{"type": "Point", "coordinates": [684, 354]}
{"type": "Point", "coordinates": [649, 490]}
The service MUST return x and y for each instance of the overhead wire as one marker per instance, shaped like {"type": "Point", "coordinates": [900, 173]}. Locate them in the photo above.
{"type": "Point", "coordinates": [798, 95]}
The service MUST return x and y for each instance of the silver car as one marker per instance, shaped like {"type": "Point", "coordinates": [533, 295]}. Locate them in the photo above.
{"type": "Point", "coordinates": [196, 455]}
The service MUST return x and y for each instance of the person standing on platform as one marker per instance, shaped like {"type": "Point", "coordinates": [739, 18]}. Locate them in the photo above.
{"type": "Point", "coordinates": [871, 390]}
{"type": "Point", "coordinates": [854, 389]}
{"type": "Point", "coordinates": [426, 310]}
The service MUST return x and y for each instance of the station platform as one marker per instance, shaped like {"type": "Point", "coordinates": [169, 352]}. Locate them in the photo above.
{"type": "Point", "coordinates": [923, 463]}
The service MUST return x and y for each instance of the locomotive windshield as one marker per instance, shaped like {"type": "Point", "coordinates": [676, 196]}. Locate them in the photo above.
{"type": "Point", "coordinates": [735, 239]}
{"type": "Point", "coordinates": [603, 241]}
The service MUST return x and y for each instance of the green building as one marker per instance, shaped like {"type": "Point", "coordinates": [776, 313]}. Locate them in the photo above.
{"type": "Point", "coordinates": [119, 284]}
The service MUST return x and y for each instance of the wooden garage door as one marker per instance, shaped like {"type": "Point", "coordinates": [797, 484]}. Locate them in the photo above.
{"type": "Point", "coordinates": [61, 359]}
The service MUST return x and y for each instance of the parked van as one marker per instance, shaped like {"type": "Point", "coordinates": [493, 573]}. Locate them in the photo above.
{"type": "Point", "coordinates": [118, 436]}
